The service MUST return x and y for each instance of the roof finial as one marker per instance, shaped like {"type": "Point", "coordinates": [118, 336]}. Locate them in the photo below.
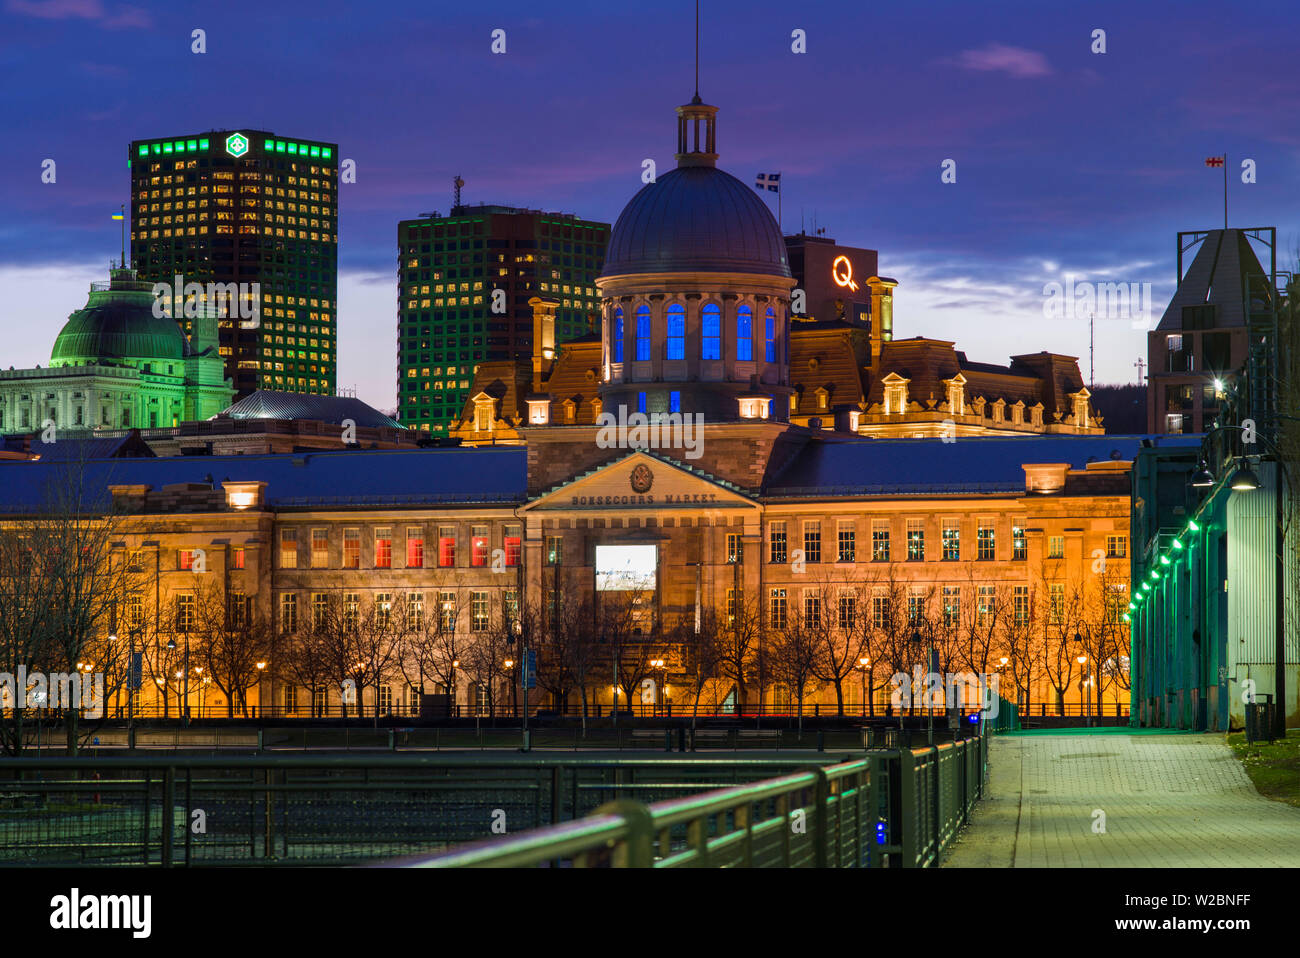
{"type": "Point", "coordinates": [697, 53]}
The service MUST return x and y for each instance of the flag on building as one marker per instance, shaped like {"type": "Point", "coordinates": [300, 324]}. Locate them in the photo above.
{"type": "Point", "coordinates": [770, 181]}
{"type": "Point", "coordinates": [118, 216]}
{"type": "Point", "coordinates": [1214, 160]}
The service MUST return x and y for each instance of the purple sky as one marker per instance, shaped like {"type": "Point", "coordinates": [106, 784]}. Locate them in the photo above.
{"type": "Point", "coordinates": [1067, 161]}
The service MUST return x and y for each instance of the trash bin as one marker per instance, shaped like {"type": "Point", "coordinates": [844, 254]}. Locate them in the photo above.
{"type": "Point", "coordinates": [1259, 720]}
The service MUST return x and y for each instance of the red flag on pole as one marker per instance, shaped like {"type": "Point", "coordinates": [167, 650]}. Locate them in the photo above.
{"type": "Point", "coordinates": [1214, 161]}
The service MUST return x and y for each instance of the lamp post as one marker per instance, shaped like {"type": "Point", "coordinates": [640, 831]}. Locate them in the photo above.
{"type": "Point", "coordinates": [185, 673]}
{"type": "Point", "coordinates": [261, 670]}
{"type": "Point", "coordinates": [514, 695]}
{"type": "Point", "coordinates": [863, 663]}
{"type": "Point", "coordinates": [1083, 661]}
{"type": "Point", "coordinates": [659, 664]}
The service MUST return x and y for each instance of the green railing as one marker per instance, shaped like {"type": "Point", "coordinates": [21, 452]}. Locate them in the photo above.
{"type": "Point", "coordinates": [167, 810]}
{"type": "Point", "coordinates": [898, 808]}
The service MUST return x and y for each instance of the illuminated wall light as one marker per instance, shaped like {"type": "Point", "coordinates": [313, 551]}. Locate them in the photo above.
{"type": "Point", "coordinates": [1132, 606]}
{"type": "Point", "coordinates": [1178, 544]}
{"type": "Point", "coordinates": [1164, 560]}
{"type": "Point", "coordinates": [203, 144]}
{"type": "Point", "coordinates": [1145, 586]}
{"type": "Point", "coordinates": [166, 147]}
{"type": "Point", "coordinates": [279, 146]}
{"type": "Point", "coordinates": [191, 144]}
{"type": "Point", "coordinates": [144, 150]}
{"type": "Point", "coordinates": [326, 152]}
{"type": "Point", "coordinates": [156, 149]}
{"type": "Point", "coordinates": [1126, 617]}
{"type": "Point", "coordinates": [1193, 526]}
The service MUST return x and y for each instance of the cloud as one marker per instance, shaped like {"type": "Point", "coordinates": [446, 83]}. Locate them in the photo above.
{"type": "Point", "coordinates": [1016, 62]}
{"type": "Point", "coordinates": [123, 16]}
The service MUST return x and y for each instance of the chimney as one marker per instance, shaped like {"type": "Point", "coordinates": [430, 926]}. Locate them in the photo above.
{"type": "Point", "coordinates": [543, 337]}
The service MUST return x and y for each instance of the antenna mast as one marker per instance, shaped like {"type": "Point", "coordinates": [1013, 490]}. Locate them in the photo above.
{"type": "Point", "coordinates": [697, 57]}
{"type": "Point", "coordinates": [458, 183]}
{"type": "Point", "coordinates": [1092, 354]}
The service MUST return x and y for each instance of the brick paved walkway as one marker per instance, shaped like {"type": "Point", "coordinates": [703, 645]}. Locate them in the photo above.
{"type": "Point", "coordinates": [1170, 801]}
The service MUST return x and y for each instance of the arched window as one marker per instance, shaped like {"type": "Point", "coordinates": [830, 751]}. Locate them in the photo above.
{"type": "Point", "coordinates": [744, 334]}
{"type": "Point", "coordinates": [769, 335]}
{"type": "Point", "coordinates": [642, 333]}
{"type": "Point", "coordinates": [676, 331]}
{"type": "Point", "coordinates": [711, 340]}
{"type": "Point", "coordinates": [618, 334]}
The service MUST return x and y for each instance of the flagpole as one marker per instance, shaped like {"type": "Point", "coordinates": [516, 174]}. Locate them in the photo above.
{"type": "Point", "coordinates": [779, 185]}
{"type": "Point", "coordinates": [1225, 192]}
{"type": "Point", "coordinates": [122, 207]}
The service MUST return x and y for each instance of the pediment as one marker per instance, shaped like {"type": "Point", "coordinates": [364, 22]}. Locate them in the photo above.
{"type": "Point", "coordinates": [641, 481]}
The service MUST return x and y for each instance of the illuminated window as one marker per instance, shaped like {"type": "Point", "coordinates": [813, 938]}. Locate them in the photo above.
{"type": "Point", "coordinates": [1055, 547]}
{"type": "Point", "coordinates": [1116, 547]}
{"type": "Point", "coordinates": [880, 541]}
{"type": "Point", "coordinates": [744, 334]}
{"type": "Point", "coordinates": [1020, 603]}
{"type": "Point", "coordinates": [185, 612]}
{"type": "Point", "coordinates": [915, 540]}
{"type": "Point", "coordinates": [778, 608]}
{"type": "Point", "coordinates": [320, 549]}
{"type": "Point", "coordinates": [643, 334]}
{"type": "Point", "coordinates": [733, 547]}
{"type": "Point", "coordinates": [288, 549]}
{"type": "Point", "coordinates": [985, 541]}
{"type": "Point", "coordinates": [848, 611]}
{"type": "Point", "coordinates": [951, 540]}
{"type": "Point", "coordinates": [414, 547]}
{"type": "Point", "coordinates": [951, 605]}
{"type": "Point", "coordinates": [514, 545]}
{"type": "Point", "coordinates": [812, 608]}
{"type": "Point", "coordinates": [1019, 544]}
{"type": "Point", "coordinates": [414, 611]}
{"type": "Point", "coordinates": [880, 609]}
{"type": "Point", "coordinates": [618, 334]}
{"type": "Point", "coordinates": [288, 612]}
{"type": "Point", "coordinates": [478, 610]}
{"type": "Point", "coordinates": [352, 548]}
{"type": "Point", "coordinates": [185, 560]}
{"type": "Point", "coordinates": [447, 611]}
{"type": "Point", "coordinates": [711, 323]}
{"type": "Point", "coordinates": [676, 331]}
{"type": "Point", "coordinates": [383, 548]}
{"type": "Point", "coordinates": [846, 542]}
{"type": "Point", "coordinates": [478, 545]}
{"type": "Point", "coordinates": [769, 336]}
{"type": "Point", "coordinates": [1056, 603]}
{"type": "Point", "coordinates": [987, 605]}
{"type": "Point", "coordinates": [554, 550]}
{"type": "Point", "coordinates": [777, 542]}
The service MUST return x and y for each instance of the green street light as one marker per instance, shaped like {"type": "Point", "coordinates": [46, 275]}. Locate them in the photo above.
{"type": "Point", "coordinates": [1178, 544]}
{"type": "Point", "coordinates": [1193, 525]}
{"type": "Point", "coordinates": [1164, 560]}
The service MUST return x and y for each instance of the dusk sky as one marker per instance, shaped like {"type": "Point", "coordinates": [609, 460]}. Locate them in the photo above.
{"type": "Point", "coordinates": [1067, 161]}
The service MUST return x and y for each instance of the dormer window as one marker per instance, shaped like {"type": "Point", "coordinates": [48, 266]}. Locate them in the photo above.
{"type": "Point", "coordinates": [956, 394]}
{"type": "Point", "coordinates": [539, 412]}
{"type": "Point", "coordinates": [895, 394]}
{"type": "Point", "coordinates": [483, 414]}
{"type": "Point", "coordinates": [1081, 417]}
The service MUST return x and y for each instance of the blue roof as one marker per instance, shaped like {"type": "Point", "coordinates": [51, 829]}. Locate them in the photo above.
{"type": "Point", "coordinates": [374, 477]}
{"type": "Point", "coordinates": [979, 465]}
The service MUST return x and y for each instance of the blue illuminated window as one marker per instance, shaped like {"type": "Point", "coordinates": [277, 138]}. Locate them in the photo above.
{"type": "Point", "coordinates": [674, 401]}
{"type": "Point", "coordinates": [618, 334]}
{"type": "Point", "coordinates": [640, 402]}
{"type": "Point", "coordinates": [676, 331]}
{"type": "Point", "coordinates": [770, 335]}
{"type": "Point", "coordinates": [642, 334]}
{"type": "Point", "coordinates": [744, 334]}
{"type": "Point", "coordinates": [711, 343]}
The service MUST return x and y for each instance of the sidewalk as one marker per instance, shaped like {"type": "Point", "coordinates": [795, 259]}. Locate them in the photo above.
{"type": "Point", "coordinates": [1169, 801]}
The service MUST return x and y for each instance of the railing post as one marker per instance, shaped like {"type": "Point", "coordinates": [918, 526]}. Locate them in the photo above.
{"type": "Point", "coordinates": [636, 851]}
{"type": "Point", "coordinates": [168, 810]}
{"type": "Point", "coordinates": [907, 826]}
{"type": "Point", "coordinates": [821, 817]}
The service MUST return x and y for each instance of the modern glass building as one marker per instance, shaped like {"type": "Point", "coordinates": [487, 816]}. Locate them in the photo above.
{"type": "Point", "coordinates": [247, 207]}
{"type": "Point", "coordinates": [449, 319]}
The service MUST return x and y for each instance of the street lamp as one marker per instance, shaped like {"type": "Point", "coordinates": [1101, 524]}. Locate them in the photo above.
{"type": "Point", "coordinates": [261, 670]}
{"type": "Point", "coordinates": [514, 687]}
{"type": "Point", "coordinates": [1083, 660]}
{"type": "Point", "coordinates": [862, 664]}
{"type": "Point", "coordinates": [185, 671]}
{"type": "Point", "coordinates": [659, 664]}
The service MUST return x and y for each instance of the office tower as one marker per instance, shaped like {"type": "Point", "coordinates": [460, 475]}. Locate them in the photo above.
{"type": "Point", "coordinates": [450, 268]}
{"type": "Point", "coordinates": [247, 207]}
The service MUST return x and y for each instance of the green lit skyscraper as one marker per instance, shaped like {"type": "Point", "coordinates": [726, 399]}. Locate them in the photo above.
{"type": "Point", "coordinates": [449, 268]}
{"type": "Point", "coordinates": [245, 207]}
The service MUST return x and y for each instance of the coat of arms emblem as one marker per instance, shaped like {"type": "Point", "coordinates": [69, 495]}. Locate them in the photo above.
{"type": "Point", "coordinates": [642, 479]}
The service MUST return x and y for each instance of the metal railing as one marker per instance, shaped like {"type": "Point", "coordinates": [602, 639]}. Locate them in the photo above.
{"type": "Point", "coordinates": [320, 810]}
{"type": "Point", "coordinates": [893, 808]}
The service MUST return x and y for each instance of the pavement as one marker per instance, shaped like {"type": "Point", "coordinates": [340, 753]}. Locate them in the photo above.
{"type": "Point", "coordinates": [1123, 799]}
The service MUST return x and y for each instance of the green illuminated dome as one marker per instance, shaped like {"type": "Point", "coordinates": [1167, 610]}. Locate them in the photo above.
{"type": "Point", "coordinates": [118, 323]}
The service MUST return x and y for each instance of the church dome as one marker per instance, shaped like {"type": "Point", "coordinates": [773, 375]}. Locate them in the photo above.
{"type": "Point", "coordinates": [696, 219]}
{"type": "Point", "coordinates": [118, 323]}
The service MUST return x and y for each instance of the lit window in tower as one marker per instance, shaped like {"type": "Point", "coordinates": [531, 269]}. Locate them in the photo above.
{"type": "Point", "coordinates": [642, 333]}
{"type": "Point", "coordinates": [711, 342]}
{"type": "Point", "coordinates": [769, 336]}
{"type": "Point", "coordinates": [618, 335]}
{"type": "Point", "coordinates": [744, 334]}
{"type": "Point", "coordinates": [676, 331]}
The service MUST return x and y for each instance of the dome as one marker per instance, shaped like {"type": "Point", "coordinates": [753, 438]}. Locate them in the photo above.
{"type": "Point", "coordinates": [118, 323]}
{"type": "Point", "coordinates": [696, 219]}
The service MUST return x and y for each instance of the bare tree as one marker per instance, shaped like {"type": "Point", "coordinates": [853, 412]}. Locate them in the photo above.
{"type": "Point", "coordinates": [230, 638]}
